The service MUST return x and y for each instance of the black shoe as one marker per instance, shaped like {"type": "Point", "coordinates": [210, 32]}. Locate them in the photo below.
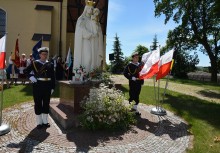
{"type": "Point", "coordinates": [39, 126]}
{"type": "Point", "coordinates": [137, 113]}
{"type": "Point", "coordinates": [47, 125]}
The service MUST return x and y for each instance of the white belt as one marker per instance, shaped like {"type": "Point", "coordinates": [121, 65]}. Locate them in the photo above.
{"type": "Point", "coordinates": [44, 79]}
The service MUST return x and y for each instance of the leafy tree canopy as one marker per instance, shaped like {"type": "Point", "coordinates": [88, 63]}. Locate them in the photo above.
{"type": "Point", "coordinates": [141, 50]}
{"type": "Point", "coordinates": [198, 26]}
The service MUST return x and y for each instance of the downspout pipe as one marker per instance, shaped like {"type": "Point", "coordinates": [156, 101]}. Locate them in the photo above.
{"type": "Point", "coordinates": [61, 14]}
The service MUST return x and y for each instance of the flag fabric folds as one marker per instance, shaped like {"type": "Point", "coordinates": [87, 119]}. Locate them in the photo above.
{"type": "Point", "coordinates": [165, 64]}
{"type": "Point", "coordinates": [35, 53]}
{"type": "Point", "coordinates": [2, 52]}
{"type": "Point", "coordinates": [150, 68]}
{"type": "Point", "coordinates": [15, 55]}
{"type": "Point", "coordinates": [69, 59]}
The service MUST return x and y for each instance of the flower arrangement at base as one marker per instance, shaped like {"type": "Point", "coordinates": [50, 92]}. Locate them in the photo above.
{"type": "Point", "coordinates": [105, 108]}
{"type": "Point", "coordinates": [79, 73]}
{"type": "Point", "coordinates": [95, 74]}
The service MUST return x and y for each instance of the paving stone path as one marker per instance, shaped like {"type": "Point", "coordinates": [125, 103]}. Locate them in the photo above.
{"type": "Point", "coordinates": [152, 134]}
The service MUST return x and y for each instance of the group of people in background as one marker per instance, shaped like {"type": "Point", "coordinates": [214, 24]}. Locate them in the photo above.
{"type": "Point", "coordinates": [62, 72]}
{"type": "Point", "coordinates": [14, 72]}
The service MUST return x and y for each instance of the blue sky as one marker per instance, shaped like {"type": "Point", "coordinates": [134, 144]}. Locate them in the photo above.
{"type": "Point", "coordinates": [135, 24]}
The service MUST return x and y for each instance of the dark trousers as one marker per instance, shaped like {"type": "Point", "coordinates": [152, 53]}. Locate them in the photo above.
{"type": "Point", "coordinates": [41, 94]}
{"type": "Point", "coordinates": [134, 91]}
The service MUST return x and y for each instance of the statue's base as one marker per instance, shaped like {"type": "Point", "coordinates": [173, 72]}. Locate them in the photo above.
{"type": "Point", "coordinates": [63, 115]}
{"type": "Point", "coordinates": [76, 82]}
{"type": "Point", "coordinates": [66, 109]}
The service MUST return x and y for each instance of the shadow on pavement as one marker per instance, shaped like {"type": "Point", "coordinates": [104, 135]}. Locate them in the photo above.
{"type": "Point", "coordinates": [35, 137]}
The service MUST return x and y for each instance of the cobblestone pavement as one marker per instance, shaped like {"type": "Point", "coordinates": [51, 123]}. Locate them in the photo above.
{"type": "Point", "coordinates": [152, 134]}
{"type": "Point", "coordinates": [196, 91]}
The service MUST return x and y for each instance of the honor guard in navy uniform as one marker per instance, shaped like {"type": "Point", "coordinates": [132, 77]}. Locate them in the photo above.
{"type": "Point", "coordinates": [41, 74]}
{"type": "Point", "coordinates": [131, 72]}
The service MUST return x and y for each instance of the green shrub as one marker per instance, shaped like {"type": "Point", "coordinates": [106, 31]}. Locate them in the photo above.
{"type": "Point", "coordinates": [105, 108]}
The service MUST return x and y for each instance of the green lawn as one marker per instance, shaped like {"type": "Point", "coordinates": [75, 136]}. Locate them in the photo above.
{"type": "Point", "coordinates": [202, 116]}
{"type": "Point", "coordinates": [17, 94]}
{"type": "Point", "coordinates": [206, 85]}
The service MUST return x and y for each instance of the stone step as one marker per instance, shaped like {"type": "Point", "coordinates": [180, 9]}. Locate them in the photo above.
{"type": "Point", "coordinates": [63, 115]}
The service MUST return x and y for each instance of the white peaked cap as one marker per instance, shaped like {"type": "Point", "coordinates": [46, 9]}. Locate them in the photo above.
{"type": "Point", "coordinates": [43, 49]}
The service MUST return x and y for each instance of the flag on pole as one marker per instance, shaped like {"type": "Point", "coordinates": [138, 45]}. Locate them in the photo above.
{"type": "Point", "coordinates": [15, 55]}
{"type": "Point", "coordinates": [35, 53]}
{"type": "Point", "coordinates": [165, 64]}
{"type": "Point", "coordinates": [151, 64]}
{"type": "Point", "coordinates": [2, 52]}
{"type": "Point", "coordinates": [69, 59]}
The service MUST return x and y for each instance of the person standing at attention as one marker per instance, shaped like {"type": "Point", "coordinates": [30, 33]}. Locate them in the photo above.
{"type": "Point", "coordinates": [131, 72]}
{"type": "Point", "coordinates": [41, 74]}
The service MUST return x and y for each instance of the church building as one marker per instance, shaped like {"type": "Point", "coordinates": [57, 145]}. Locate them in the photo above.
{"type": "Point", "coordinates": [52, 20]}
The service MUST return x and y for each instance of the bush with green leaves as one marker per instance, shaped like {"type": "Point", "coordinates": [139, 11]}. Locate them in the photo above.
{"type": "Point", "coordinates": [105, 108]}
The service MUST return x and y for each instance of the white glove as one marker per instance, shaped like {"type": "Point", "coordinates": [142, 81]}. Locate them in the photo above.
{"type": "Point", "coordinates": [133, 78]}
{"type": "Point", "coordinates": [33, 79]}
{"type": "Point", "coordinates": [52, 90]}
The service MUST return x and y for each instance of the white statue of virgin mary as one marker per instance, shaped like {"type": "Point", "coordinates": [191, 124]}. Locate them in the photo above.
{"type": "Point", "coordinates": [97, 42]}
{"type": "Point", "coordinates": [83, 39]}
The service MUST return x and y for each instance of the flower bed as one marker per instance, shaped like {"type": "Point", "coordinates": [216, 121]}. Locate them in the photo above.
{"type": "Point", "coordinates": [105, 109]}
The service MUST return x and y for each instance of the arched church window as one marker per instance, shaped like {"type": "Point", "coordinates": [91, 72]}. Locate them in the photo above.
{"type": "Point", "coordinates": [2, 22]}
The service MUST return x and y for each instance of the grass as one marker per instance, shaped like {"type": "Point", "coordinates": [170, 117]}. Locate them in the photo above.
{"type": "Point", "coordinates": [17, 94]}
{"type": "Point", "coordinates": [202, 116]}
{"type": "Point", "coordinates": [206, 85]}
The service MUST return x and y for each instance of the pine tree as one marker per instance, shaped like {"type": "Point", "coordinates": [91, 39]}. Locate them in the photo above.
{"type": "Point", "coordinates": [154, 46]}
{"type": "Point", "coordinates": [118, 62]}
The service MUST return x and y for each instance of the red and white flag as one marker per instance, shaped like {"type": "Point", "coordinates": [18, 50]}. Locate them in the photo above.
{"type": "Point", "coordinates": [165, 64]}
{"type": "Point", "coordinates": [150, 68]}
{"type": "Point", "coordinates": [2, 52]}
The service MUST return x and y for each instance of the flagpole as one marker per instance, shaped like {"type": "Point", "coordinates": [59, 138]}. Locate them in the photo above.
{"type": "Point", "coordinates": [158, 94]}
{"type": "Point", "coordinates": [158, 110]}
{"type": "Point", "coordinates": [155, 96]}
{"type": "Point", "coordinates": [68, 73]}
{"type": "Point", "coordinates": [4, 128]}
{"type": "Point", "coordinates": [167, 80]}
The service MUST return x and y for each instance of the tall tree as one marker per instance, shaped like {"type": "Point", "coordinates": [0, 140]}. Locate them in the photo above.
{"type": "Point", "coordinates": [141, 50]}
{"type": "Point", "coordinates": [217, 7]}
{"type": "Point", "coordinates": [118, 63]}
{"type": "Point", "coordinates": [184, 62]}
{"type": "Point", "coordinates": [155, 42]}
{"type": "Point", "coordinates": [198, 26]}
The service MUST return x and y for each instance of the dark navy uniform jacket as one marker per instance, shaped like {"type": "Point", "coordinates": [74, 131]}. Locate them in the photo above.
{"type": "Point", "coordinates": [42, 71]}
{"type": "Point", "coordinates": [132, 70]}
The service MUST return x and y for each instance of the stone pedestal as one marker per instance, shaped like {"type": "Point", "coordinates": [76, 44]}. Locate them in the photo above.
{"type": "Point", "coordinates": [73, 94]}
{"type": "Point", "coordinates": [65, 110]}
